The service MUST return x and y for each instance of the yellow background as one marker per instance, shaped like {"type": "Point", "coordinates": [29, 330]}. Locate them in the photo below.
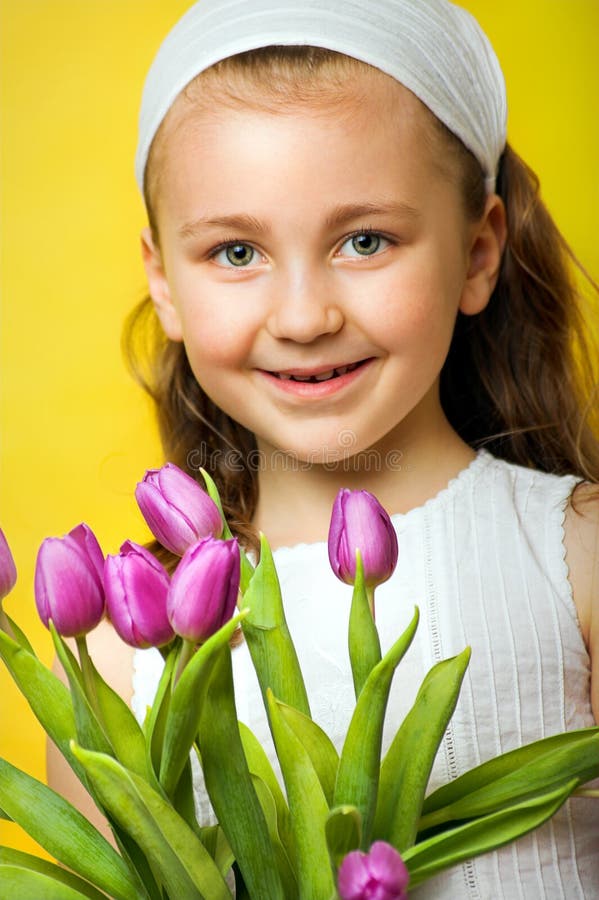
{"type": "Point", "coordinates": [76, 432]}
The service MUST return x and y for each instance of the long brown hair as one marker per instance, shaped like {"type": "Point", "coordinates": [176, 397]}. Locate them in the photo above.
{"type": "Point", "coordinates": [520, 378]}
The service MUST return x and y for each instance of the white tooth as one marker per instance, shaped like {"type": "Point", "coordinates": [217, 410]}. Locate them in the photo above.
{"type": "Point", "coordinates": [284, 377]}
{"type": "Point", "coordinates": [324, 376]}
{"type": "Point", "coordinates": [342, 370]}
{"type": "Point", "coordinates": [301, 377]}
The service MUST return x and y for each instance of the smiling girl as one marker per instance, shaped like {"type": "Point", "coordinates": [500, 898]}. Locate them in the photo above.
{"type": "Point", "coordinates": [358, 286]}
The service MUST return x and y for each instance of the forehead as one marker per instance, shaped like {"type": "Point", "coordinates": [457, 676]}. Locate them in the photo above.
{"type": "Point", "coordinates": [338, 92]}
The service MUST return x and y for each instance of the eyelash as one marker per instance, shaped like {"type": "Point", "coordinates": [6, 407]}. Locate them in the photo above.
{"type": "Point", "coordinates": [236, 242]}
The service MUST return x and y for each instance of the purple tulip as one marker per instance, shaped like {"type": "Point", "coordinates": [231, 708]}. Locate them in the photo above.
{"type": "Point", "coordinates": [136, 586]}
{"type": "Point", "coordinates": [176, 508]}
{"type": "Point", "coordinates": [380, 874]}
{"type": "Point", "coordinates": [204, 588]}
{"type": "Point", "coordinates": [8, 570]}
{"type": "Point", "coordinates": [68, 582]}
{"type": "Point", "coordinates": [358, 521]}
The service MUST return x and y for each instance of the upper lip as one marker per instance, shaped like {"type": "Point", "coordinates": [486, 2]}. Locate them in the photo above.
{"type": "Point", "coordinates": [315, 370]}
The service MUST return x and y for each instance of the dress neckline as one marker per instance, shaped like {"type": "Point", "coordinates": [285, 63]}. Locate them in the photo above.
{"type": "Point", "coordinates": [400, 520]}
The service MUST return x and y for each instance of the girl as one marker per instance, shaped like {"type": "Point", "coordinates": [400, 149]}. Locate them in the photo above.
{"type": "Point", "coordinates": [357, 285]}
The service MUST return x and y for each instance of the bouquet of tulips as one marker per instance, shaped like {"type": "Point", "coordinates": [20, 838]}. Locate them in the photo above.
{"type": "Point", "coordinates": [344, 824]}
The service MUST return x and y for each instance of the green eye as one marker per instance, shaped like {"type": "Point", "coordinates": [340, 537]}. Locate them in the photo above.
{"type": "Point", "coordinates": [366, 244]}
{"type": "Point", "coordinates": [239, 254]}
{"type": "Point", "coordinates": [363, 243]}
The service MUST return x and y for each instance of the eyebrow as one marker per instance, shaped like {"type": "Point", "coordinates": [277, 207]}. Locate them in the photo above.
{"type": "Point", "coordinates": [238, 222]}
{"type": "Point", "coordinates": [338, 216]}
{"type": "Point", "coordinates": [348, 211]}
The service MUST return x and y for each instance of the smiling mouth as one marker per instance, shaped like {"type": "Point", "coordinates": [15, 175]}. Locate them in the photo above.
{"type": "Point", "coordinates": [322, 376]}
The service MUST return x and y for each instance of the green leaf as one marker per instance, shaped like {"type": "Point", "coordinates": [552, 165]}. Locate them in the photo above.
{"type": "Point", "coordinates": [212, 491]}
{"type": "Point", "coordinates": [184, 864]}
{"type": "Point", "coordinates": [268, 638]}
{"type": "Point", "coordinates": [259, 764]}
{"type": "Point", "coordinates": [343, 832]}
{"type": "Point", "coordinates": [407, 765]}
{"type": "Point", "coordinates": [89, 730]}
{"type": "Point", "coordinates": [317, 744]}
{"type": "Point", "coordinates": [217, 845]}
{"type": "Point", "coordinates": [121, 727]}
{"type": "Point", "coordinates": [186, 703]}
{"type": "Point", "coordinates": [16, 858]}
{"type": "Point", "coordinates": [47, 696]}
{"type": "Point", "coordinates": [281, 856]}
{"type": "Point", "coordinates": [183, 798]}
{"type": "Point", "coordinates": [25, 884]}
{"type": "Point", "coordinates": [230, 786]}
{"type": "Point", "coordinates": [308, 807]}
{"type": "Point", "coordinates": [481, 835]}
{"type": "Point", "coordinates": [364, 644]}
{"type": "Point", "coordinates": [247, 569]}
{"type": "Point", "coordinates": [19, 635]}
{"type": "Point", "coordinates": [358, 774]}
{"type": "Point", "coordinates": [514, 776]}
{"type": "Point", "coordinates": [137, 862]}
{"type": "Point", "coordinates": [64, 832]}
{"type": "Point", "coordinates": [155, 722]}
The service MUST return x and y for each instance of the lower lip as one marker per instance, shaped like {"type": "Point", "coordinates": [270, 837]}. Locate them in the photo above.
{"type": "Point", "coordinates": [316, 389]}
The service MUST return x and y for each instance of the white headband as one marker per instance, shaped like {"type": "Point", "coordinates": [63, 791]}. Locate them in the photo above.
{"type": "Point", "coordinates": [434, 48]}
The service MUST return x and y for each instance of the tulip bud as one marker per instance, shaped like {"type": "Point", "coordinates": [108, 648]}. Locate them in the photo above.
{"type": "Point", "coordinates": [380, 874]}
{"type": "Point", "coordinates": [136, 586]}
{"type": "Point", "coordinates": [8, 570]}
{"type": "Point", "coordinates": [68, 582]}
{"type": "Point", "coordinates": [176, 508]}
{"type": "Point", "coordinates": [359, 522]}
{"type": "Point", "coordinates": [204, 588]}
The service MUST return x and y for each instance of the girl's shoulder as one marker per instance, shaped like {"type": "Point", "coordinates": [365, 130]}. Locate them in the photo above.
{"type": "Point", "coordinates": [581, 539]}
{"type": "Point", "coordinates": [112, 658]}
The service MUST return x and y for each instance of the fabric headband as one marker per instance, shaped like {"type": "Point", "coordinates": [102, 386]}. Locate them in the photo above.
{"type": "Point", "coordinates": [434, 48]}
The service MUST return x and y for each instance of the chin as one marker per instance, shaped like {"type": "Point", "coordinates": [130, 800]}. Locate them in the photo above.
{"type": "Point", "coordinates": [344, 450]}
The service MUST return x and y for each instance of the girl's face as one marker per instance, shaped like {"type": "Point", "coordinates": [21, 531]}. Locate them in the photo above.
{"type": "Point", "coordinates": [313, 263]}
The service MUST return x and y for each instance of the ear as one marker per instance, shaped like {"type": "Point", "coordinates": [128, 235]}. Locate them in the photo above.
{"type": "Point", "coordinates": [159, 288]}
{"type": "Point", "coordinates": [487, 242]}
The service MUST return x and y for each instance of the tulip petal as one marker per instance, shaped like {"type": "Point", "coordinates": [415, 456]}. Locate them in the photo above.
{"type": "Point", "coordinates": [353, 876]}
{"type": "Point", "coordinates": [66, 587]}
{"type": "Point", "coordinates": [204, 588]}
{"type": "Point", "coordinates": [8, 570]}
{"type": "Point", "coordinates": [85, 540]}
{"type": "Point", "coordinates": [136, 589]}
{"type": "Point", "coordinates": [359, 522]}
{"type": "Point", "coordinates": [178, 511]}
{"type": "Point", "coordinates": [386, 864]}
{"type": "Point", "coordinates": [166, 523]}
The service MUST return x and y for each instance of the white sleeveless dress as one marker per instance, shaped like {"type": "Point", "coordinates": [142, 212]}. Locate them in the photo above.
{"type": "Point", "coordinates": [484, 561]}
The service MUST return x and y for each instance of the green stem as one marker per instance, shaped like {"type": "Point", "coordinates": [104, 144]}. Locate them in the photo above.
{"type": "Point", "coordinates": [188, 648]}
{"type": "Point", "coordinates": [370, 595]}
{"type": "Point", "coordinates": [587, 792]}
{"type": "Point", "coordinates": [87, 670]}
{"type": "Point", "coordinates": [5, 624]}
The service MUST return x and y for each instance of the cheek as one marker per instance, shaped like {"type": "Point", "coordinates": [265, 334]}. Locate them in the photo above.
{"type": "Point", "coordinates": [417, 310]}
{"type": "Point", "coordinates": [218, 330]}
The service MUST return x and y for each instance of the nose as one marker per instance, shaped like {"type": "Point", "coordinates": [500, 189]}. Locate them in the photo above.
{"type": "Point", "coordinates": [304, 307]}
